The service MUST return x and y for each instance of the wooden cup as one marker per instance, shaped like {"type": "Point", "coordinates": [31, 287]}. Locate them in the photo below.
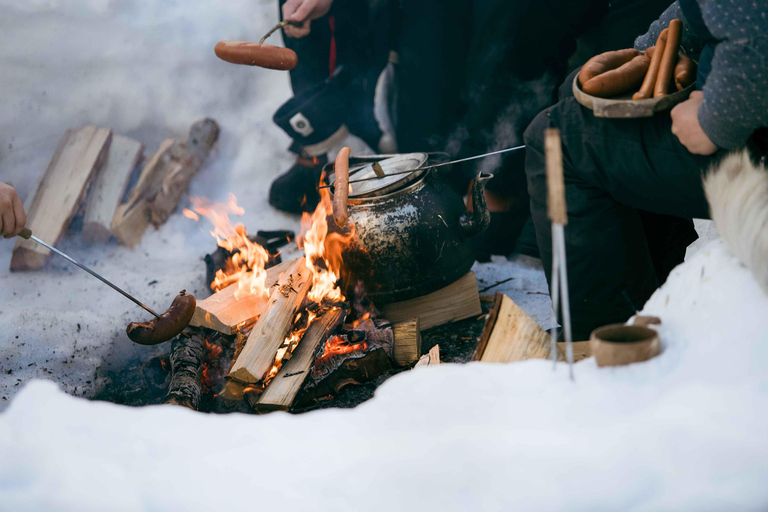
{"type": "Point", "coordinates": [619, 344]}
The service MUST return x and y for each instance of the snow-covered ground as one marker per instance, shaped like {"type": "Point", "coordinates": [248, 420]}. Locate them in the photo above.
{"type": "Point", "coordinates": [685, 431]}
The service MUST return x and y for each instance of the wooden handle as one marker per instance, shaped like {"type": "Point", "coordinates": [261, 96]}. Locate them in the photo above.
{"type": "Point", "coordinates": [553, 154]}
{"type": "Point", "coordinates": [668, 61]}
{"type": "Point", "coordinates": [25, 233]}
{"type": "Point", "coordinates": [341, 187]}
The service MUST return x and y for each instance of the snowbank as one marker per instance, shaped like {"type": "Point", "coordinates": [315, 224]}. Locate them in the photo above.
{"type": "Point", "coordinates": [684, 431]}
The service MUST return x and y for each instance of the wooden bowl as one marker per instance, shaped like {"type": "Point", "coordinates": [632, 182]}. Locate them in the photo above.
{"type": "Point", "coordinates": [620, 344]}
{"type": "Point", "coordinates": [625, 107]}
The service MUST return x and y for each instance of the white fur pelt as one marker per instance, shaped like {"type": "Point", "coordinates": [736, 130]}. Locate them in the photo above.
{"type": "Point", "coordinates": [737, 191]}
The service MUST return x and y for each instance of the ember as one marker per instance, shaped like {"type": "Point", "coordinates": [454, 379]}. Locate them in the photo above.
{"type": "Point", "coordinates": [338, 345]}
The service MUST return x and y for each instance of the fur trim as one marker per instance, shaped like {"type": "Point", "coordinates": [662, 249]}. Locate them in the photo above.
{"type": "Point", "coordinates": [737, 191]}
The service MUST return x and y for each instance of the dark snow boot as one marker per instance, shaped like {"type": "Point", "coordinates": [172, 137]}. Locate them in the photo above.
{"type": "Point", "coordinates": [296, 190]}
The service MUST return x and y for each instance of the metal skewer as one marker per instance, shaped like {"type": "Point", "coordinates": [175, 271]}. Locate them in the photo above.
{"type": "Point", "coordinates": [431, 166]}
{"type": "Point", "coordinates": [558, 216]}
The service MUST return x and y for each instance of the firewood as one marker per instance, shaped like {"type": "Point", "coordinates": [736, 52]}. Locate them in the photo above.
{"type": "Point", "coordinates": [132, 217]}
{"type": "Point", "coordinates": [455, 302]}
{"type": "Point", "coordinates": [223, 312]}
{"type": "Point", "coordinates": [187, 356]}
{"type": "Point", "coordinates": [348, 359]}
{"type": "Point", "coordinates": [273, 325]}
{"type": "Point", "coordinates": [281, 392]}
{"type": "Point", "coordinates": [109, 186]}
{"type": "Point", "coordinates": [61, 192]}
{"type": "Point", "coordinates": [162, 182]}
{"type": "Point", "coordinates": [511, 335]}
{"type": "Point", "coordinates": [407, 349]}
{"type": "Point", "coordinates": [431, 358]}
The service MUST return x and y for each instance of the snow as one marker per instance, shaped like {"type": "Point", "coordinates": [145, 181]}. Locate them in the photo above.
{"type": "Point", "coordinates": [684, 431]}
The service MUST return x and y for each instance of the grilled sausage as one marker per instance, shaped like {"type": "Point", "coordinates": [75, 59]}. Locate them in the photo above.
{"type": "Point", "coordinates": [341, 187]}
{"type": "Point", "coordinates": [617, 81]}
{"type": "Point", "coordinates": [254, 54]}
{"type": "Point", "coordinates": [669, 59]}
{"type": "Point", "coordinates": [167, 325]}
{"type": "Point", "coordinates": [685, 72]}
{"type": "Point", "coordinates": [604, 62]}
{"type": "Point", "coordinates": [655, 53]}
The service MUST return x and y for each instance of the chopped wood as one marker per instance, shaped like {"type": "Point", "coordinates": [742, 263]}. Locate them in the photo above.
{"type": "Point", "coordinates": [431, 358]}
{"type": "Point", "coordinates": [511, 335]}
{"type": "Point", "coordinates": [132, 217]}
{"type": "Point", "coordinates": [273, 325]}
{"type": "Point", "coordinates": [162, 182]}
{"type": "Point", "coordinates": [349, 359]}
{"type": "Point", "coordinates": [223, 312]}
{"type": "Point", "coordinates": [187, 356]}
{"type": "Point", "coordinates": [109, 186]}
{"type": "Point", "coordinates": [281, 392]}
{"type": "Point", "coordinates": [407, 348]}
{"type": "Point", "coordinates": [185, 160]}
{"type": "Point", "coordinates": [61, 192]}
{"type": "Point", "coordinates": [455, 302]}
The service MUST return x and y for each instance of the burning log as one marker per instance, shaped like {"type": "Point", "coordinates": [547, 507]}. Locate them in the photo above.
{"type": "Point", "coordinates": [223, 312]}
{"type": "Point", "coordinates": [455, 302]}
{"type": "Point", "coordinates": [282, 391]}
{"type": "Point", "coordinates": [258, 355]}
{"type": "Point", "coordinates": [349, 359]}
{"type": "Point", "coordinates": [272, 241]}
{"type": "Point", "coordinates": [187, 356]}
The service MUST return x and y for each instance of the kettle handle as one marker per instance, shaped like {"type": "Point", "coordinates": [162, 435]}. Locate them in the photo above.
{"type": "Point", "coordinates": [341, 187]}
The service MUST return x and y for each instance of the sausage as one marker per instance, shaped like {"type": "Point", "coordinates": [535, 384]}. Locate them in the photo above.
{"type": "Point", "coordinates": [655, 53]}
{"type": "Point", "coordinates": [167, 325]}
{"type": "Point", "coordinates": [668, 60]}
{"type": "Point", "coordinates": [341, 187]}
{"type": "Point", "coordinates": [604, 62]}
{"type": "Point", "coordinates": [617, 81]}
{"type": "Point", "coordinates": [254, 54]}
{"type": "Point", "coordinates": [685, 72]}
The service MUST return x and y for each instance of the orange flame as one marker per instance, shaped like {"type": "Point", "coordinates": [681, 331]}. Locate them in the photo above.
{"type": "Point", "coordinates": [246, 267]}
{"type": "Point", "coordinates": [290, 343]}
{"type": "Point", "coordinates": [336, 345]}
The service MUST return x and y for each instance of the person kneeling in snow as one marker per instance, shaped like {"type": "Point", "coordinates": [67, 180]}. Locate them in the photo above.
{"type": "Point", "coordinates": [632, 185]}
{"type": "Point", "coordinates": [12, 215]}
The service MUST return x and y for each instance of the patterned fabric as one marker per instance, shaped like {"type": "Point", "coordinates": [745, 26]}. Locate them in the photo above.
{"type": "Point", "coordinates": [736, 87]}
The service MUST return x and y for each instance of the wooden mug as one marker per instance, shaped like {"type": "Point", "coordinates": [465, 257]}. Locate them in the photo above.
{"type": "Point", "coordinates": [619, 344]}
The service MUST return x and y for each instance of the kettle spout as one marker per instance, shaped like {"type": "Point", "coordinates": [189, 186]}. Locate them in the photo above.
{"type": "Point", "coordinates": [477, 221]}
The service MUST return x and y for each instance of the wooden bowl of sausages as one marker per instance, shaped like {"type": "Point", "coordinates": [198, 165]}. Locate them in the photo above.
{"type": "Point", "coordinates": [629, 83]}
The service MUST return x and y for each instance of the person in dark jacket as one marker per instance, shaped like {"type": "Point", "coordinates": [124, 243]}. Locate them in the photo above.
{"type": "Point", "coordinates": [621, 173]}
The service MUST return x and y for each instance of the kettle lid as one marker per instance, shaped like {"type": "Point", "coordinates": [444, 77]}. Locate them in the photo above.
{"type": "Point", "coordinates": [391, 175]}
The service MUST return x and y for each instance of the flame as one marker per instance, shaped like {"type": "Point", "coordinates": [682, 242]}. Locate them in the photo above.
{"type": "Point", "coordinates": [290, 343]}
{"type": "Point", "coordinates": [246, 267]}
{"type": "Point", "coordinates": [323, 251]}
{"type": "Point", "coordinates": [337, 345]}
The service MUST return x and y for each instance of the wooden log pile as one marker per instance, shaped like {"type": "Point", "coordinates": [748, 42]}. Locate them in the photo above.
{"type": "Point", "coordinates": [90, 173]}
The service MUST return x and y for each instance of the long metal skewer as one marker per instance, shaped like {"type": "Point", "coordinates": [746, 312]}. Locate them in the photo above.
{"type": "Point", "coordinates": [27, 233]}
{"type": "Point", "coordinates": [377, 177]}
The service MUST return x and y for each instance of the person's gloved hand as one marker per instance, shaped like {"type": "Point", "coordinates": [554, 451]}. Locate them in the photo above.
{"type": "Point", "coordinates": [12, 216]}
{"type": "Point", "coordinates": [686, 127]}
{"type": "Point", "coordinates": [306, 11]}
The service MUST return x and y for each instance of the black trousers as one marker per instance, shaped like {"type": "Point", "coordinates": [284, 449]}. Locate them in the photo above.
{"type": "Point", "coordinates": [615, 171]}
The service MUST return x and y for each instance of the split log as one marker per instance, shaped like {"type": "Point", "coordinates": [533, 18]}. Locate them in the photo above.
{"type": "Point", "coordinates": [273, 325]}
{"type": "Point", "coordinates": [455, 302]}
{"type": "Point", "coordinates": [407, 348]}
{"type": "Point", "coordinates": [511, 335]}
{"type": "Point", "coordinates": [223, 312]}
{"type": "Point", "coordinates": [61, 192]}
{"type": "Point", "coordinates": [162, 182]}
{"type": "Point", "coordinates": [350, 359]}
{"type": "Point", "coordinates": [108, 188]}
{"type": "Point", "coordinates": [187, 356]}
{"type": "Point", "coordinates": [431, 358]}
{"type": "Point", "coordinates": [281, 392]}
